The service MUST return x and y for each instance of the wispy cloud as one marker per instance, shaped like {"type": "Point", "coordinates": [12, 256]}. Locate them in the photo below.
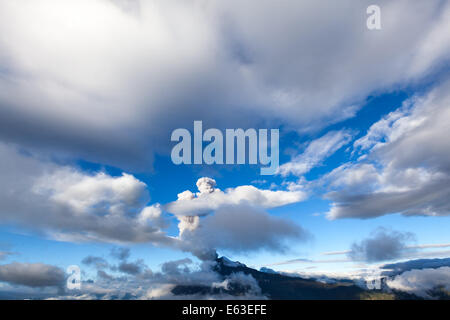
{"type": "Point", "coordinates": [316, 152]}
{"type": "Point", "coordinates": [308, 261]}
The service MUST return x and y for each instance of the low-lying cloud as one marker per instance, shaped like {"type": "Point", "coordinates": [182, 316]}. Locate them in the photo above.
{"type": "Point", "coordinates": [426, 283]}
{"type": "Point", "coordinates": [36, 275]}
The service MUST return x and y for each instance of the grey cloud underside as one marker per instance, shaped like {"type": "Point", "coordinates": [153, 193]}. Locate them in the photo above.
{"type": "Point", "coordinates": [219, 62]}
{"type": "Point", "coordinates": [67, 92]}
{"type": "Point", "coordinates": [429, 199]}
{"type": "Point", "coordinates": [242, 228]}
{"type": "Point", "coordinates": [234, 219]}
{"type": "Point", "coordinates": [123, 265]}
{"type": "Point", "coordinates": [36, 275]}
{"type": "Point", "coordinates": [131, 267]}
{"type": "Point", "coordinates": [117, 105]}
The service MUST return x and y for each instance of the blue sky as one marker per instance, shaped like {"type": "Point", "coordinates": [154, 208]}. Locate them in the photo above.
{"type": "Point", "coordinates": [327, 235]}
{"type": "Point", "coordinates": [86, 119]}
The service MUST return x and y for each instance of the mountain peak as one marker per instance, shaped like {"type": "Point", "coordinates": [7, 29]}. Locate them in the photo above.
{"type": "Point", "coordinates": [229, 263]}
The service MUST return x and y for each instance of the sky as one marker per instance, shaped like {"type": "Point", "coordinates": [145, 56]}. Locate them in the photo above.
{"type": "Point", "coordinates": [90, 92]}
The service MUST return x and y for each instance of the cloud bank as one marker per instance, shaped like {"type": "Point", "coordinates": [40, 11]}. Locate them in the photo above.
{"type": "Point", "coordinates": [406, 169]}
{"type": "Point", "coordinates": [425, 283]}
{"type": "Point", "coordinates": [65, 203]}
{"type": "Point", "coordinates": [216, 61]}
{"type": "Point", "coordinates": [35, 275]}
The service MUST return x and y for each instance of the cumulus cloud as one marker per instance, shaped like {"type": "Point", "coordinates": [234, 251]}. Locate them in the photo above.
{"type": "Point", "coordinates": [233, 219]}
{"type": "Point", "coordinates": [241, 228]}
{"type": "Point", "coordinates": [210, 198]}
{"type": "Point", "coordinates": [218, 62]}
{"type": "Point", "coordinates": [112, 108]}
{"type": "Point", "coordinates": [381, 245]}
{"type": "Point", "coordinates": [152, 215]}
{"type": "Point", "coordinates": [316, 151]}
{"type": "Point", "coordinates": [405, 168]}
{"type": "Point", "coordinates": [96, 194]}
{"type": "Point", "coordinates": [206, 185]}
{"type": "Point", "coordinates": [34, 275]}
{"type": "Point", "coordinates": [68, 204]}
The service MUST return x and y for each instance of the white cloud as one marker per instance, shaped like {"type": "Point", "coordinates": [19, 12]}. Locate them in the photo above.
{"type": "Point", "coordinates": [152, 214]}
{"type": "Point", "coordinates": [432, 245]}
{"type": "Point", "coordinates": [406, 168]}
{"type": "Point", "coordinates": [210, 198]}
{"type": "Point", "coordinates": [70, 205]}
{"type": "Point", "coordinates": [191, 59]}
{"type": "Point", "coordinates": [420, 282]}
{"type": "Point", "coordinates": [359, 177]}
{"type": "Point", "coordinates": [83, 193]}
{"type": "Point", "coordinates": [67, 204]}
{"type": "Point", "coordinates": [206, 185]}
{"type": "Point", "coordinates": [211, 219]}
{"type": "Point", "coordinates": [317, 151]}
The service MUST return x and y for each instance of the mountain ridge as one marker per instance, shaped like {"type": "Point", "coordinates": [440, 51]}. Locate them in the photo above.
{"type": "Point", "coordinates": [278, 286]}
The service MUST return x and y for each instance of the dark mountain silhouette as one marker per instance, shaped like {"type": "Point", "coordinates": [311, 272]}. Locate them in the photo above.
{"type": "Point", "coordinates": [285, 287]}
